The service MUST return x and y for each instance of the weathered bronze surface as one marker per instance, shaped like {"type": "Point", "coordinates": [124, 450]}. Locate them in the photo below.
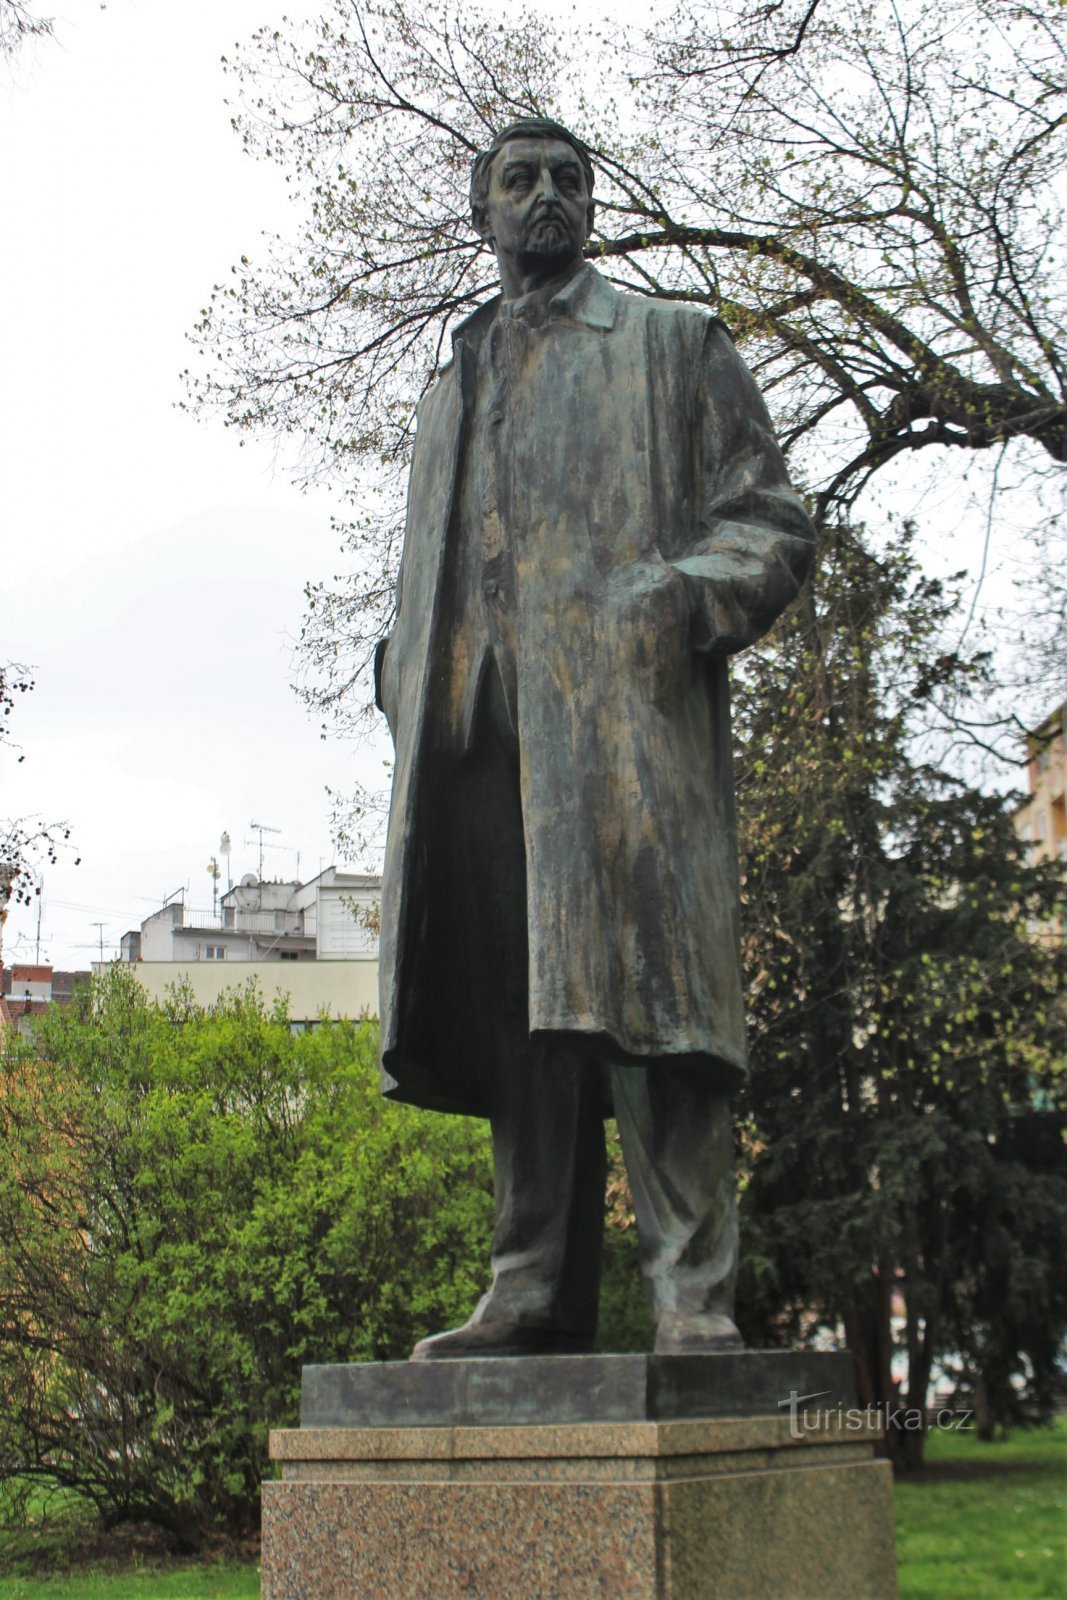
{"type": "Point", "coordinates": [544, 1391]}
{"type": "Point", "coordinates": [598, 517]}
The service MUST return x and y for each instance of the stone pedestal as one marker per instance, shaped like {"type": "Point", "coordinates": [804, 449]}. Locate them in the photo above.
{"type": "Point", "coordinates": [654, 1506]}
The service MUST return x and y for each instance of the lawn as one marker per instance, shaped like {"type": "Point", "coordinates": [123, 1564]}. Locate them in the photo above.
{"type": "Point", "coordinates": [983, 1522]}
{"type": "Point", "coordinates": [219, 1581]}
{"type": "Point", "coordinates": [55, 1552]}
{"type": "Point", "coordinates": [986, 1521]}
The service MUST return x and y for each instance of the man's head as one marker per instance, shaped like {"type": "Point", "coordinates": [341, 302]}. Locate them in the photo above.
{"type": "Point", "coordinates": [532, 196]}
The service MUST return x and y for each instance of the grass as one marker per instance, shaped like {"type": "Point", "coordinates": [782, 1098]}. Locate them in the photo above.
{"type": "Point", "coordinates": [51, 1549]}
{"type": "Point", "coordinates": [981, 1522]}
{"type": "Point", "coordinates": [986, 1521]}
{"type": "Point", "coordinates": [221, 1581]}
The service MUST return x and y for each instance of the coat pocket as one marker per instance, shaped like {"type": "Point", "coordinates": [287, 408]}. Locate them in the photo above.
{"type": "Point", "coordinates": [649, 622]}
{"type": "Point", "coordinates": [385, 682]}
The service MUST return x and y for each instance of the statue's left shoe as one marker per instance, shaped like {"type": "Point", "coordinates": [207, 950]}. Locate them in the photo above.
{"type": "Point", "coordinates": [497, 1328]}
{"type": "Point", "coordinates": [708, 1333]}
{"type": "Point", "coordinates": [500, 1339]}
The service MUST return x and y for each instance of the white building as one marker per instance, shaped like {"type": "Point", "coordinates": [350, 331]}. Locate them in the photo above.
{"type": "Point", "coordinates": [325, 932]}
{"type": "Point", "coordinates": [332, 918]}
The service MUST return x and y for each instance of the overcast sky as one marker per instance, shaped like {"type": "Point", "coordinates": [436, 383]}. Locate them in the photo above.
{"type": "Point", "coordinates": [150, 570]}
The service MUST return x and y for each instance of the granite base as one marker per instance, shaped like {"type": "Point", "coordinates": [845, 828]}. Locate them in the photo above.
{"type": "Point", "coordinates": [706, 1508]}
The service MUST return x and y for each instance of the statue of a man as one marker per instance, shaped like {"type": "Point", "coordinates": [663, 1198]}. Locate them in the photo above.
{"type": "Point", "coordinates": [598, 517]}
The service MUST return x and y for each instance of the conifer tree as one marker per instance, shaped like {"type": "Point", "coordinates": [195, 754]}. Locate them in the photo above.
{"type": "Point", "coordinates": [908, 1029]}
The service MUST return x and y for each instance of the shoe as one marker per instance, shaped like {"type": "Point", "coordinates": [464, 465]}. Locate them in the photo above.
{"type": "Point", "coordinates": [476, 1339]}
{"type": "Point", "coordinates": [706, 1334]}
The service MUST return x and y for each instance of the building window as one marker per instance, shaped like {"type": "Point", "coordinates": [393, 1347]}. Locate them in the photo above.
{"type": "Point", "coordinates": [288, 955]}
{"type": "Point", "coordinates": [214, 952]}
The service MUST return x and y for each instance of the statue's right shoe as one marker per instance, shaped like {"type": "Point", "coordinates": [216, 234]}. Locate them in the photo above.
{"type": "Point", "coordinates": [707, 1333]}
{"type": "Point", "coordinates": [500, 1338]}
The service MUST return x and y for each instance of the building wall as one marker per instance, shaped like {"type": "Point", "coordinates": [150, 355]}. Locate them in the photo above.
{"type": "Point", "coordinates": [24, 982]}
{"type": "Point", "coordinates": [157, 933]}
{"type": "Point", "coordinates": [181, 933]}
{"type": "Point", "coordinates": [1042, 819]}
{"type": "Point", "coordinates": [203, 944]}
{"type": "Point", "coordinates": [314, 988]}
{"type": "Point", "coordinates": [347, 923]}
{"type": "Point", "coordinates": [332, 918]}
{"type": "Point", "coordinates": [27, 991]}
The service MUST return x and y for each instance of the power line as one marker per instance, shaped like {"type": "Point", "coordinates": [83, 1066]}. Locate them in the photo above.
{"type": "Point", "coordinates": [75, 905]}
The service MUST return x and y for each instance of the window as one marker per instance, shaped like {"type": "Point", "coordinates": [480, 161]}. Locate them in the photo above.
{"type": "Point", "coordinates": [214, 952]}
{"type": "Point", "coordinates": [288, 955]}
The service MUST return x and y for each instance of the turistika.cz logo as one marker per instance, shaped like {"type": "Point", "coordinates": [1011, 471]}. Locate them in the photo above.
{"type": "Point", "coordinates": [805, 1418]}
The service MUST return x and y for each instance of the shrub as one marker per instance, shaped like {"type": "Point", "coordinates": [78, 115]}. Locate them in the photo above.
{"type": "Point", "coordinates": [193, 1203]}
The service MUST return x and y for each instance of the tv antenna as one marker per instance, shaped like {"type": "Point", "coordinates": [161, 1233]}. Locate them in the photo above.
{"type": "Point", "coordinates": [261, 828]}
{"type": "Point", "coordinates": [214, 874]}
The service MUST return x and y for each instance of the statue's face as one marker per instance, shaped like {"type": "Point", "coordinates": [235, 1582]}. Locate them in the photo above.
{"type": "Point", "coordinates": [538, 209]}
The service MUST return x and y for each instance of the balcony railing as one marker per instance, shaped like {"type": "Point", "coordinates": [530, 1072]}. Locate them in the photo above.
{"type": "Point", "coordinates": [231, 920]}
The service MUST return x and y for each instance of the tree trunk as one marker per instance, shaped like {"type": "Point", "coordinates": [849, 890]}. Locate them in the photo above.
{"type": "Point", "coordinates": [983, 1410]}
{"type": "Point", "coordinates": [869, 1336]}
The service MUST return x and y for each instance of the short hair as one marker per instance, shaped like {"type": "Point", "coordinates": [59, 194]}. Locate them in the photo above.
{"type": "Point", "coordinates": [527, 128]}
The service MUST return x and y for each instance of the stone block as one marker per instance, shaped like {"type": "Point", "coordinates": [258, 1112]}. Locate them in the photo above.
{"type": "Point", "coordinates": [600, 1388]}
{"type": "Point", "coordinates": [698, 1508]}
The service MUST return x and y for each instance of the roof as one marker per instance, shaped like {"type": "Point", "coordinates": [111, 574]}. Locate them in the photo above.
{"type": "Point", "coordinates": [23, 1008]}
{"type": "Point", "coordinates": [64, 983]}
{"type": "Point", "coordinates": [61, 982]}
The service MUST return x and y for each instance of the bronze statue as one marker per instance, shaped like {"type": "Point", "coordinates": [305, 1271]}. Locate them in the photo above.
{"type": "Point", "coordinates": [598, 517]}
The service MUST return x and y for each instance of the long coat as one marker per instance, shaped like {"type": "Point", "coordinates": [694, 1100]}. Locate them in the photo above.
{"type": "Point", "coordinates": [654, 532]}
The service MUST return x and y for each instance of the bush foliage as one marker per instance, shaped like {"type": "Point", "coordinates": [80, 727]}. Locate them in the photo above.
{"type": "Point", "coordinates": [192, 1204]}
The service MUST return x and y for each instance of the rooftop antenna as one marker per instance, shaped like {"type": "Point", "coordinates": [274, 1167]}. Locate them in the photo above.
{"type": "Point", "coordinates": [224, 850]}
{"type": "Point", "coordinates": [101, 926]}
{"type": "Point", "coordinates": [215, 874]}
{"type": "Point", "coordinates": [261, 828]}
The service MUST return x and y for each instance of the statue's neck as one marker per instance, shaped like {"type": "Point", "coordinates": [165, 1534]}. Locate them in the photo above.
{"type": "Point", "coordinates": [527, 275]}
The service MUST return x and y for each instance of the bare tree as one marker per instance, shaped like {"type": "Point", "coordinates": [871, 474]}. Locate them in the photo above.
{"type": "Point", "coordinates": [25, 842]}
{"type": "Point", "coordinates": [17, 24]}
{"type": "Point", "coordinates": [865, 190]}
{"type": "Point", "coordinates": [15, 679]}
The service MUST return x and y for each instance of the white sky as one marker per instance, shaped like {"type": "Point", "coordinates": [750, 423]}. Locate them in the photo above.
{"type": "Point", "coordinates": [150, 569]}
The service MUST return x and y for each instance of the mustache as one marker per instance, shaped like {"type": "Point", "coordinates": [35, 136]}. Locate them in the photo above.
{"type": "Point", "coordinates": [552, 213]}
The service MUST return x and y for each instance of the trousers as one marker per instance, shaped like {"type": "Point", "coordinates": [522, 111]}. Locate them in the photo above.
{"type": "Point", "coordinates": [546, 1094]}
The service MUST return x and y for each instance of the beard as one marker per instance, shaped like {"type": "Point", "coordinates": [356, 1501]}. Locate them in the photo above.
{"type": "Point", "coordinates": [548, 238]}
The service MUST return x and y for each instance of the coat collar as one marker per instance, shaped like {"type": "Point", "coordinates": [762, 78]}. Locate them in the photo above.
{"type": "Point", "coordinates": [587, 298]}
